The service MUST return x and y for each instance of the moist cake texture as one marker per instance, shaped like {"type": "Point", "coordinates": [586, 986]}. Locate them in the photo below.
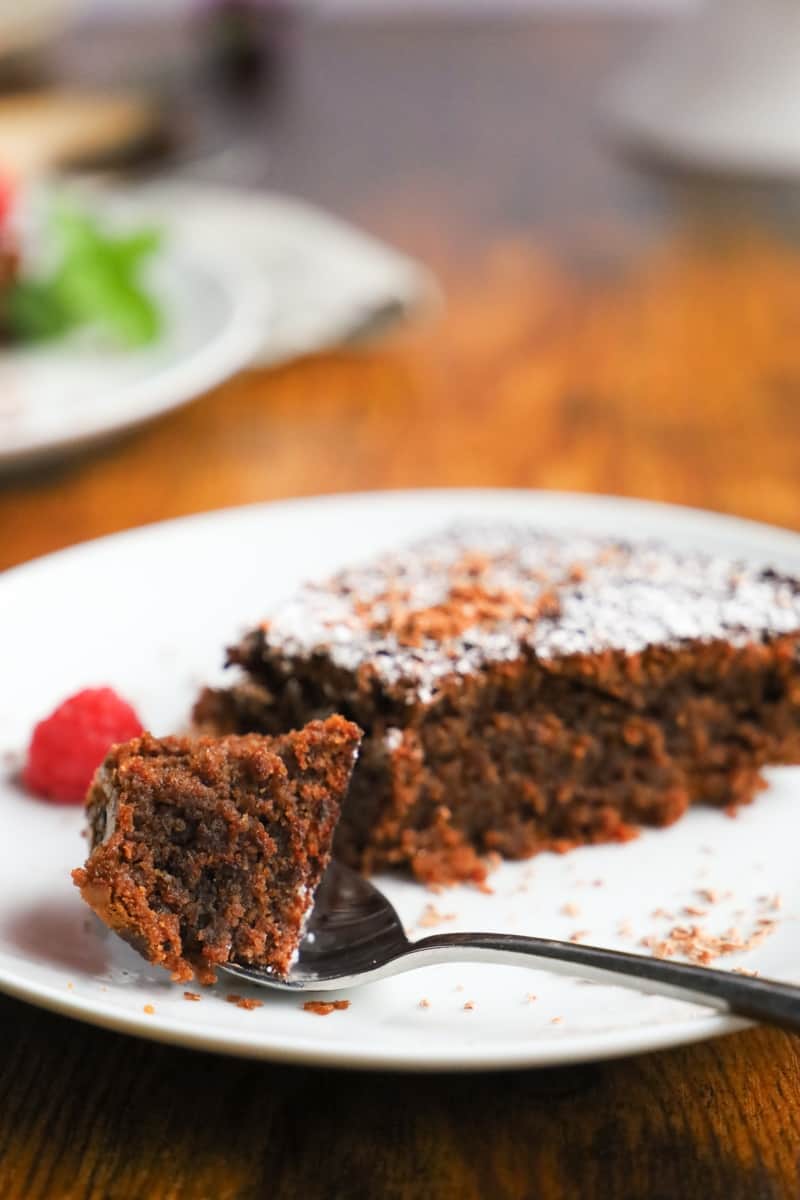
{"type": "Point", "coordinates": [209, 850]}
{"type": "Point", "coordinates": [521, 690]}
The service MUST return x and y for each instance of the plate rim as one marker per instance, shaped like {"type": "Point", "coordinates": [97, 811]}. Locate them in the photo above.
{"type": "Point", "coordinates": [342, 1055]}
{"type": "Point", "coordinates": [351, 1055]}
{"type": "Point", "coordinates": [728, 521]}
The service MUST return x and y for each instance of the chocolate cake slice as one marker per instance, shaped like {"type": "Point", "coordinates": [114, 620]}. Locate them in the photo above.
{"type": "Point", "coordinates": [521, 690]}
{"type": "Point", "coordinates": [209, 850]}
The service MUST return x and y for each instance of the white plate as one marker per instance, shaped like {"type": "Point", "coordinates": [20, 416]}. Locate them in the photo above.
{"type": "Point", "coordinates": [63, 395]}
{"type": "Point", "coordinates": [717, 91]}
{"type": "Point", "coordinates": [331, 283]}
{"type": "Point", "coordinates": [150, 611]}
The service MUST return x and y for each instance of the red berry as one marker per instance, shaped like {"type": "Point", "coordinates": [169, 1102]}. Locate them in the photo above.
{"type": "Point", "coordinates": [68, 746]}
{"type": "Point", "coordinates": [7, 197]}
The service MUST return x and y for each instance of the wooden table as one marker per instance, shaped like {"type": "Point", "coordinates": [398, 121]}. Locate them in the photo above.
{"type": "Point", "coordinates": [607, 330]}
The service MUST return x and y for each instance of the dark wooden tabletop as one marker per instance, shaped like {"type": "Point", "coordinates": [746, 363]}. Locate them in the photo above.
{"type": "Point", "coordinates": [608, 329]}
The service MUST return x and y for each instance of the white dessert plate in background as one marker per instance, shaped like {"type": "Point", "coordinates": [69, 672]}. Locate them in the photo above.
{"type": "Point", "coordinates": [717, 91]}
{"type": "Point", "coordinates": [149, 613]}
{"type": "Point", "coordinates": [245, 278]}
{"type": "Point", "coordinates": [61, 396]}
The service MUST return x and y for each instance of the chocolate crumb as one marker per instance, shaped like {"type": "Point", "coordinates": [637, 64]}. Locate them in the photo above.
{"type": "Point", "coordinates": [431, 916]}
{"type": "Point", "coordinates": [244, 1002]}
{"type": "Point", "coordinates": [695, 944]}
{"type": "Point", "coordinates": [323, 1007]}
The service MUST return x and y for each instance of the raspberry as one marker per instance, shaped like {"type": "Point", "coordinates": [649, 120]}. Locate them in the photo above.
{"type": "Point", "coordinates": [68, 746]}
{"type": "Point", "coordinates": [7, 197]}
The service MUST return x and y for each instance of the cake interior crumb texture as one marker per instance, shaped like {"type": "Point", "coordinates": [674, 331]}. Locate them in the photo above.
{"type": "Point", "coordinates": [209, 850]}
{"type": "Point", "coordinates": [522, 690]}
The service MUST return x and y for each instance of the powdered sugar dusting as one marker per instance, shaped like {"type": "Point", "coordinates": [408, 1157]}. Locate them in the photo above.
{"type": "Point", "coordinates": [487, 593]}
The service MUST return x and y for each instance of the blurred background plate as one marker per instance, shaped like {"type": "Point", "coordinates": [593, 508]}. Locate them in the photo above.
{"type": "Point", "coordinates": [332, 284]}
{"type": "Point", "coordinates": [67, 394]}
{"type": "Point", "coordinates": [716, 91]}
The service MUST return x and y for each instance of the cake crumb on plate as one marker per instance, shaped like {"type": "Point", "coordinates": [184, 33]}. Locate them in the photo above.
{"type": "Point", "coordinates": [243, 1002]}
{"type": "Point", "coordinates": [323, 1007]}
{"type": "Point", "coordinates": [431, 916]}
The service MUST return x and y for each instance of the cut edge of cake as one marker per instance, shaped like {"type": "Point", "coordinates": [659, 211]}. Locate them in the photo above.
{"type": "Point", "coordinates": [209, 850]}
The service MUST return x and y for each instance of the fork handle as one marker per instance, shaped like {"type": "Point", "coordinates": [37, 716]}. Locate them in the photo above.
{"type": "Point", "coordinates": [765, 1000]}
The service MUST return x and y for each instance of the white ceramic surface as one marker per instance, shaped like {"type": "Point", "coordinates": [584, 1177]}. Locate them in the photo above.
{"type": "Point", "coordinates": [149, 613]}
{"type": "Point", "coordinates": [245, 278]}
{"type": "Point", "coordinates": [717, 90]}
{"type": "Point", "coordinates": [331, 282]}
{"type": "Point", "coordinates": [63, 395]}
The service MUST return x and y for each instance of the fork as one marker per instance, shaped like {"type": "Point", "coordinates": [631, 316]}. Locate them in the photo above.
{"type": "Point", "coordinates": [354, 936]}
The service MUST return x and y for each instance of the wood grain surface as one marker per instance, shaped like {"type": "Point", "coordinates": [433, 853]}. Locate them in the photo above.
{"type": "Point", "coordinates": [607, 329]}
